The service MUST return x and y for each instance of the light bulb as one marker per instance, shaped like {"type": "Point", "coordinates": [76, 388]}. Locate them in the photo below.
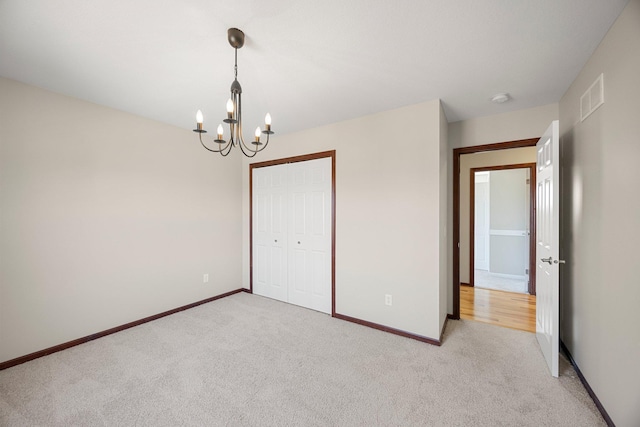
{"type": "Point", "coordinates": [229, 106]}
{"type": "Point", "coordinates": [267, 119]}
{"type": "Point", "coordinates": [220, 131]}
{"type": "Point", "coordinates": [258, 132]}
{"type": "Point", "coordinates": [199, 117]}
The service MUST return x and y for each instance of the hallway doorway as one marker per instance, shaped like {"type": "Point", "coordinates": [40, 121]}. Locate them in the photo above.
{"type": "Point", "coordinates": [464, 159]}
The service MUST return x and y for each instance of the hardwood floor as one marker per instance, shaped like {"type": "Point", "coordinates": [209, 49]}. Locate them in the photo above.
{"type": "Point", "coordinates": [508, 309]}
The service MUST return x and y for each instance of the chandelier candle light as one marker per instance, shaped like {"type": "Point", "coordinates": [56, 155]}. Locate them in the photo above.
{"type": "Point", "coordinates": [234, 114]}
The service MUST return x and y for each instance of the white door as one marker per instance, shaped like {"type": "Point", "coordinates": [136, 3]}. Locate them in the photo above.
{"type": "Point", "coordinates": [270, 242]}
{"type": "Point", "coordinates": [292, 233]}
{"type": "Point", "coordinates": [481, 221]}
{"type": "Point", "coordinates": [310, 234]}
{"type": "Point", "coordinates": [547, 250]}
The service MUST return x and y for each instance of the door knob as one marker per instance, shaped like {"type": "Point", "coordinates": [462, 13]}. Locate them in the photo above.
{"type": "Point", "coordinates": [552, 261]}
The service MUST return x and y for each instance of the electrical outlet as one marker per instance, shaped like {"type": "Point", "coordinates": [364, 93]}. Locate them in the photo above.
{"type": "Point", "coordinates": [388, 300]}
{"type": "Point", "coordinates": [205, 278]}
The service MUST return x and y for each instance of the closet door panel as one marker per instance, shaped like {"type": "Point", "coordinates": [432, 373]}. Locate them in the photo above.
{"type": "Point", "coordinates": [311, 210]}
{"type": "Point", "coordinates": [318, 273]}
{"type": "Point", "coordinates": [270, 232]}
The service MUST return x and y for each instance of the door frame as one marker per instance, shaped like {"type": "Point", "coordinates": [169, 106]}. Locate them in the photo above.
{"type": "Point", "coordinates": [457, 152]}
{"type": "Point", "coordinates": [531, 286]}
{"type": "Point", "coordinates": [296, 159]}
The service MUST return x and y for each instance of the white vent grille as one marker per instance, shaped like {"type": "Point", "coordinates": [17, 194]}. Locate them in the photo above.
{"type": "Point", "coordinates": [592, 98]}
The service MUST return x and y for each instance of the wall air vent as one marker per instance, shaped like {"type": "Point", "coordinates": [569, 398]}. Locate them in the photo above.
{"type": "Point", "coordinates": [592, 98]}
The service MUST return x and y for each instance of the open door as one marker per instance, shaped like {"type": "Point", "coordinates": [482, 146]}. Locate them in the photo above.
{"type": "Point", "coordinates": [547, 246]}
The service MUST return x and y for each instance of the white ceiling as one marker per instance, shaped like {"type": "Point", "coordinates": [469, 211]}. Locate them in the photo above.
{"type": "Point", "coordinates": [307, 62]}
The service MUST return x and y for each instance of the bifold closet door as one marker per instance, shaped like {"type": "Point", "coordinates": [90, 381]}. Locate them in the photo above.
{"type": "Point", "coordinates": [292, 233]}
{"type": "Point", "coordinates": [270, 232]}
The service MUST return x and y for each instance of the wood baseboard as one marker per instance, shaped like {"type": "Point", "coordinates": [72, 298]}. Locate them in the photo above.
{"type": "Point", "coordinates": [388, 329]}
{"type": "Point", "coordinates": [586, 385]}
{"type": "Point", "coordinates": [64, 346]}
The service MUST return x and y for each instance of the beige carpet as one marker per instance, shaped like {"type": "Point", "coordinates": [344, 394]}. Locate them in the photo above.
{"type": "Point", "coordinates": [250, 361]}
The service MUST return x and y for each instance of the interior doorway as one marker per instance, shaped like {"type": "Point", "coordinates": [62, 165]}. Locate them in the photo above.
{"type": "Point", "coordinates": [502, 227]}
{"type": "Point", "coordinates": [459, 234]}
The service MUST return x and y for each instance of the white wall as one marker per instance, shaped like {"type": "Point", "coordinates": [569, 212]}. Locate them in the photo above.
{"type": "Point", "coordinates": [600, 222]}
{"type": "Point", "coordinates": [388, 191]}
{"type": "Point", "coordinates": [522, 124]}
{"type": "Point", "coordinates": [106, 218]}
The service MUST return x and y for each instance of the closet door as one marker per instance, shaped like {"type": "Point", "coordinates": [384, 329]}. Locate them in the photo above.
{"type": "Point", "coordinates": [292, 233]}
{"type": "Point", "coordinates": [270, 232]}
{"type": "Point", "coordinates": [310, 234]}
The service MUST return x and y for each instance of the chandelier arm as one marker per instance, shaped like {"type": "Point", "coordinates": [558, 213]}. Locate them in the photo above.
{"type": "Point", "coordinates": [239, 141]}
{"type": "Point", "coordinates": [265, 145]}
{"type": "Point", "coordinates": [253, 153]}
{"type": "Point", "coordinates": [257, 150]}
{"type": "Point", "coordinates": [211, 149]}
{"type": "Point", "coordinates": [240, 137]}
{"type": "Point", "coordinates": [244, 147]}
{"type": "Point", "coordinates": [232, 131]}
{"type": "Point", "coordinates": [228, 148]}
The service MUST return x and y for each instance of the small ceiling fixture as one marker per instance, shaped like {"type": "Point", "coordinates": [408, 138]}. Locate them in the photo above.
{"type": "Point", "coordinates": [234, 113]}
{"type": "Point", "coordinates": [499, 98]}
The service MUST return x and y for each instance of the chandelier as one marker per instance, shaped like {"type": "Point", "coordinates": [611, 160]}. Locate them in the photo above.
{"type": "Point", "coordinates": [234, 114]}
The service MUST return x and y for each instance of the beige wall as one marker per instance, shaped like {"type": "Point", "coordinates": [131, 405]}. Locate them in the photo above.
{"type": "Point", "coordinates": [476, 160]}
{"type": "Point", "coordinates": [521, 124]}
{"type": "Point", "coordinates": [388, 192]}
{"type": "Point", "coordinates": [106, 218]}
{"type": "Point", "coordinates": [600, 222]}
{"type": "Point", "coordinates": [445, 277]}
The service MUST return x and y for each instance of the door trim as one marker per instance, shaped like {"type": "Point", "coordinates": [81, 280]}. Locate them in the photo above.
{"type": "Point", "coordinates": [532, 220]}
{"type": "Point", "coordinates": [457, 152]}
{"type": "Point", "coordinates": [296, 159]}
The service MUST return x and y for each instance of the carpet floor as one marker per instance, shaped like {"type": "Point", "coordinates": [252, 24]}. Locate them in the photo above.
{"type": "Point", "coordinates": [245, 360]}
